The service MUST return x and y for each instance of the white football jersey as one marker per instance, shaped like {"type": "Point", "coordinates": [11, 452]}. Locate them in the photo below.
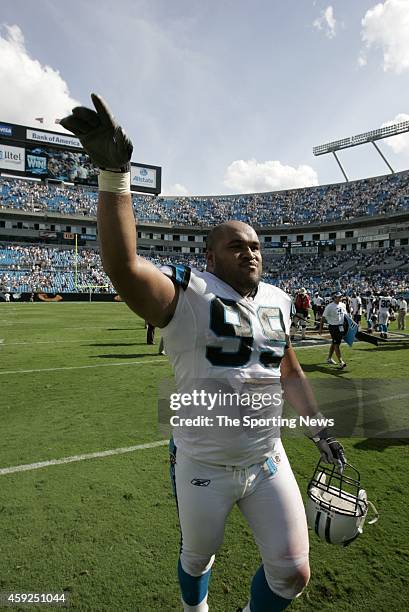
{"type": "Point", "coordinates": [369, 307]}
{"type": "Point", "coordinates": [334, 313]}
{"type": "Point", "coordinates": [356, 304]}
{"type": "Point", "coordinates": [385, 302]}
{"type": "Point", "coordinates": [220, 341]}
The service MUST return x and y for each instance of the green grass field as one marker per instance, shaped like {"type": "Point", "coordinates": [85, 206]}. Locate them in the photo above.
{"type": "Point", "coordinates": [78, 378]}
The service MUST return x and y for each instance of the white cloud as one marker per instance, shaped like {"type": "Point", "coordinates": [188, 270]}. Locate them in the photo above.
{"type": "Point", "coordinates": [252, 176]}
{"type": "Point", "coordinates": [362, 60]}
{"type": "Point", "coordinates": [386, 26]}
{"type": "Point", "coordinates": [30, 89]}
{"type": "Point", "coordinates": [326, 22]}
{"type": "Point", "coordinates": [400, 143]}
{"type": "Point", "coordinates": [175, 190]}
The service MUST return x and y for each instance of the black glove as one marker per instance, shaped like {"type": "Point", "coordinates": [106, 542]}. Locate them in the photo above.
{"type": "Point", "coordinates": [102, 138]}
{"type": "Point", "coordinates": [331, 450]}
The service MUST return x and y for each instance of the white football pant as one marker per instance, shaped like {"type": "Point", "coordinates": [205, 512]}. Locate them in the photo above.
{"type": "Point", "coordinates": [271, 504]}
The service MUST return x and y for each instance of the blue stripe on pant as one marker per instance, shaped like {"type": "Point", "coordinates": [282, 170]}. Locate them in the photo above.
{"type": "Point", "coordinates": [193, 588]}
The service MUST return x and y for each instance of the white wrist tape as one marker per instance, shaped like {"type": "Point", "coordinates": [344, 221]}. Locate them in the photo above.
{"type": "Point", "coordinates": [115, 182]}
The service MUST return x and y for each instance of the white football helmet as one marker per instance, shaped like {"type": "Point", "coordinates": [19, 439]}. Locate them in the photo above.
{"type": "Point", "coordinates": [337, 506]}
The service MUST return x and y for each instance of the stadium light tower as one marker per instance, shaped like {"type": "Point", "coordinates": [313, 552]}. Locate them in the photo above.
{"type": "Point", "coordinates": [359, 139]}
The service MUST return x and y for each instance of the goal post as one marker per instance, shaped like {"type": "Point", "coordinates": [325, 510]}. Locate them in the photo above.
{"type": "Point", "coordinates": [78, 287]}
{"type": "Point", "coordinates": [90, 288]}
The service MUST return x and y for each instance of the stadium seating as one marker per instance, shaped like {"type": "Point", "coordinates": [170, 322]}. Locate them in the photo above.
{"type": "Point", "coordinates": [52, 269]}
{"type": "Point", "coordinates": [341, 201]}
{"type": "Point", "coordinates": [34, 268]}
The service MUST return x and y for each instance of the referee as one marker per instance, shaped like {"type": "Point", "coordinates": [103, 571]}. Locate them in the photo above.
{"type": "Point", "coordinates": [334, 316]}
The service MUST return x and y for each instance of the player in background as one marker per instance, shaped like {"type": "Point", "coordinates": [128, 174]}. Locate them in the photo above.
{"type": "Point", "coordinates": [348, 304]}
{"type": "Point", "coordinates": [356, 305]}
{"type": "Point", "coordinates": [302, 304]}
{"type": "Point", "coordinates": [150, 334]}
{"type": "Point", "coordinates": [334, 316]}
{"type": "Point", "coordinates": [241, 330]}
{"type": "Point", "coordinates": [369, 310]}
{"type": "Point", "coordinates": [318, 308]}
{"type": "Point", "coordinates": [402, 312]}
{"type": "Point", "coordinates": [374, 313]}
{"type": "Point", "coordinates": [394, 302]}
{"type": "Point", "coordinates": [394, 307]}
{"type": "Point", "coordinates": [384, 305]}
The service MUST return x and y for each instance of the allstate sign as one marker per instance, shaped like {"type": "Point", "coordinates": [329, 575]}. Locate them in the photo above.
{"type": "Point", "coordinates": [143, 177]}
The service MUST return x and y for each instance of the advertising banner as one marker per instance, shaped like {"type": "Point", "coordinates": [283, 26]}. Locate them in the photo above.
{"type": "Point", "coordinates": [304, 249]}
{"type": "Point", "coordinates": [6, 130]}
{"type": "Point", "coordinates": [61, 140]}
{"type": "Point", "coordinates": [373, 238]}
{"type": "Point", "coordinates": [12, 158]}
{"type": "Point", "coordinates": [141, 176]}
{"type": "Point", "coordinates": [57, 156]}
{"type": "Point", "coordinates": [61, 165]}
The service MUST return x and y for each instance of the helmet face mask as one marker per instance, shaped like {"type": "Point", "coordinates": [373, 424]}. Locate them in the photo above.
{"type": "Point", "coordinates": [337, 505]}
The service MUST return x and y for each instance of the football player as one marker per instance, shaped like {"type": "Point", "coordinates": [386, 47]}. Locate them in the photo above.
{"type": "Point", "coordinates": [356, 304]}
{"type": "Point", "coordinates": [334, 316]}
{"type": "Point", "coordinates": [302, 304]}
{"type": "Point", "coordinates": [402, 312]}
{"type": "Point", "coordinates": [385, 304]}
{"type": "Point", "coordinates": [370, 300]}
{"type": "Point", "coordinates": [318, 307]}
{"type": "Point", "coordinates": [226, 327]}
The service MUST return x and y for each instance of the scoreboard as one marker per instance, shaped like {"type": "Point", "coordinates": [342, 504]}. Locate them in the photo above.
{"type": "Point", "coordinates": [43, 154]}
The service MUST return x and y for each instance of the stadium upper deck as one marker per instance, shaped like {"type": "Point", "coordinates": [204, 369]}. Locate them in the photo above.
{"type": "Point", "coordinates": [381, 195]}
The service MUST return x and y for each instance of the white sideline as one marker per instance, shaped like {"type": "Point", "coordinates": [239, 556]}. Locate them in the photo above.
{"type": "Point", "coordinates": [107, 453]}
{"type": "Point", "coordinates": [97, 365]}
{"type": "Point", "coordinates": [58, 341]}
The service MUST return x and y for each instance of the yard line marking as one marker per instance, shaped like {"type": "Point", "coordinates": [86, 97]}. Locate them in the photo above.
{"type": "Point", "coordinates": [114, 451]}
{"type": "Point", "coordinates": [85, 327]}
{"type": "Point", "coordinates": [98, 365]}
{"type": "Point", "coordinates": [390, 398]}
{"type": "Point", "coordinates": [59, 341]}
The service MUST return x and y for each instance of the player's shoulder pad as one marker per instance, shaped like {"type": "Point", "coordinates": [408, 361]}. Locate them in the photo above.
{"type": "Point", "coordinates": [179, 273]}
{"type": "Point", "coordinates": [277, 292]}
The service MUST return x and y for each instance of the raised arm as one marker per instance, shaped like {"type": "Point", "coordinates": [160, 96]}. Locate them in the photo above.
{"type": "Point", "coordinates": [144, 288]}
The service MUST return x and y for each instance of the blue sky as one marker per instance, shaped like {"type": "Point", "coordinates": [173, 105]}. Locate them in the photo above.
{"type": "Point", "coordinates": [227, 96]}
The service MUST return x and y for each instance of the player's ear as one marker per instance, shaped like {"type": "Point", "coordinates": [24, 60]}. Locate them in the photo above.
{"type": "Point", "coordinates": [210, 261]}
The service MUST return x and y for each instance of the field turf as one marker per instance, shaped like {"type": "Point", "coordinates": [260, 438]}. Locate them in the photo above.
{"type": "Point", "coordinates": [78, 378]}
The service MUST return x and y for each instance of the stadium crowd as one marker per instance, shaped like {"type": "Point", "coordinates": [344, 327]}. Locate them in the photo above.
{"type": "Point", "coordinates": [35, 268]}
{"type": "Point", "coordinates": [341, 201]}
{"type": "Point", "coordinates": [48, 269]}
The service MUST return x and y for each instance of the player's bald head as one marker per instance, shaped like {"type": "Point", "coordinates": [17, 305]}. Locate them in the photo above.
{"type": "Point", "coordinates": [228, 230]}
{"type": "Point", "coordinates": [233, 254]}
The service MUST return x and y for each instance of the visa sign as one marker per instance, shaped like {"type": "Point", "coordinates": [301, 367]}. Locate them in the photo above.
{"type": "Point", "coordinates": [6, 130]}
{"type": "Point", "coordinates": [12, 158]}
